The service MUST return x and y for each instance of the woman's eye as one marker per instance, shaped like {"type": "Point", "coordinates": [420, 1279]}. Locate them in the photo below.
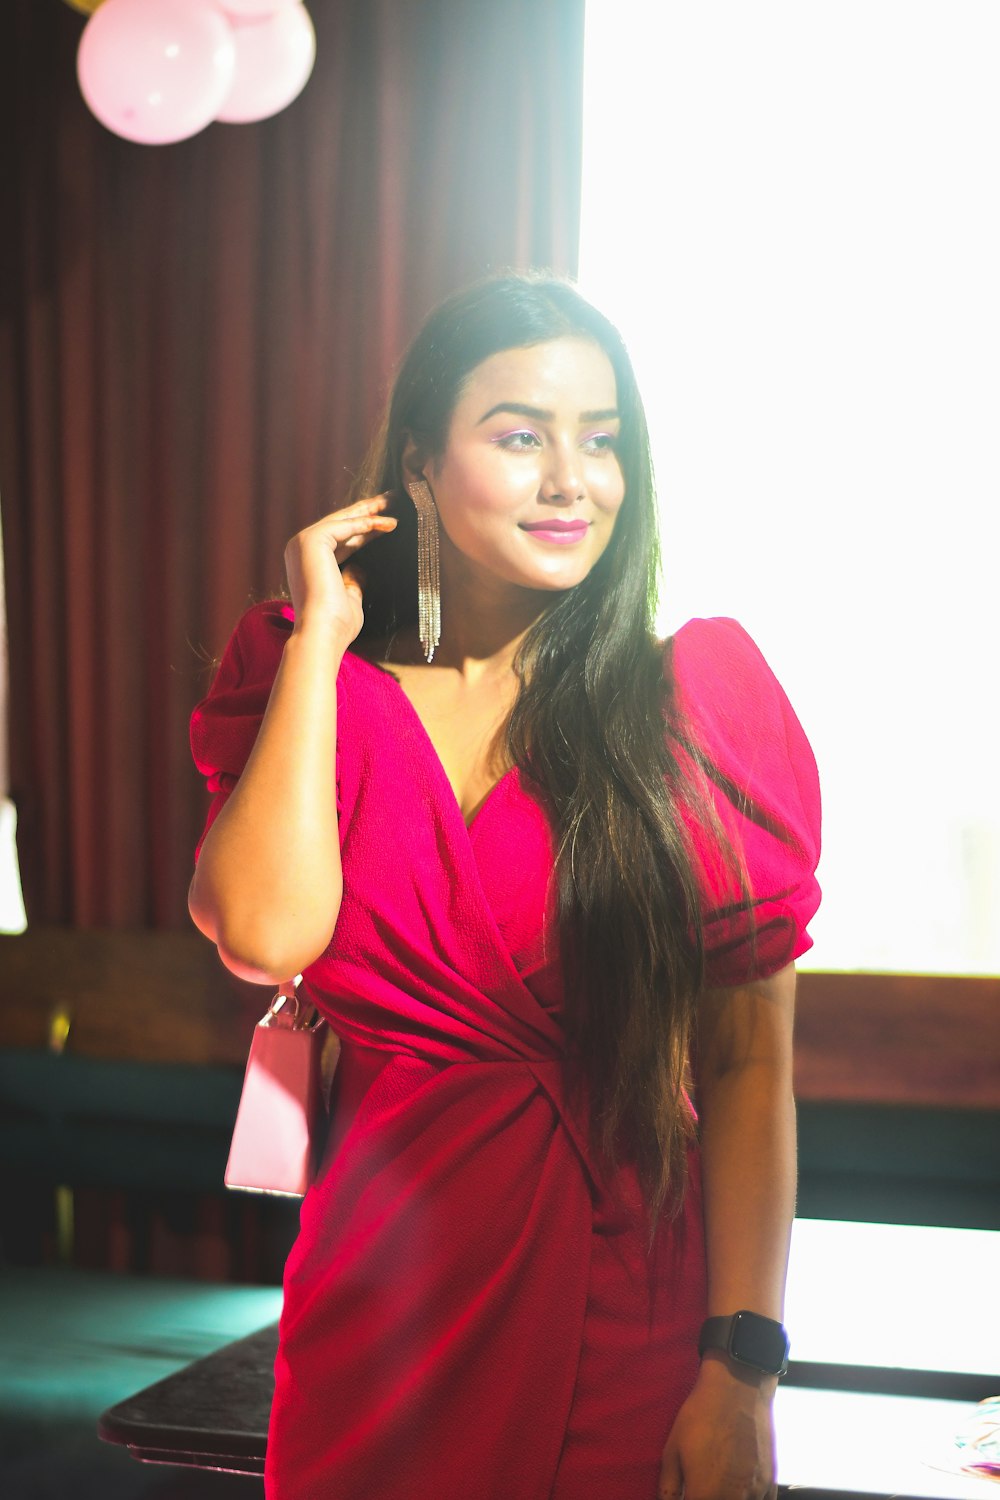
{"type": "Point", "coordinates": [600, 442]}
{"type": "Point", "coordinates": [522, 441]}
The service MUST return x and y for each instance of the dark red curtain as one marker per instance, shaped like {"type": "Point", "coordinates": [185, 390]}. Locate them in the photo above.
{"type": "Point", "coordinates": [194, 344]}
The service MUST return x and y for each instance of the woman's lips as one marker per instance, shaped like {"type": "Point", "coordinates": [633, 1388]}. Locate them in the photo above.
{"type": "Point", "coordinates": [554, 531]}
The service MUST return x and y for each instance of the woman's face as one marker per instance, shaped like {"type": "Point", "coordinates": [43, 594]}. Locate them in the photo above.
{"type": "Point", "coordinates": [529, 485]}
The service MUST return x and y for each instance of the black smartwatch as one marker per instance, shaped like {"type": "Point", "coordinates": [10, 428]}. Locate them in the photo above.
{"type": "Point", "coordinates": [748, 1338]}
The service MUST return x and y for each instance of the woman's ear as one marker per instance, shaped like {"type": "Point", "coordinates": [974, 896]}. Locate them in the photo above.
{"type": "Point", "coordinates": [413, 460]}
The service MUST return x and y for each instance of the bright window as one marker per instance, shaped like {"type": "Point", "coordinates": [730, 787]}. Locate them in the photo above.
{"type": "Point", "coordinates": [793, 213]}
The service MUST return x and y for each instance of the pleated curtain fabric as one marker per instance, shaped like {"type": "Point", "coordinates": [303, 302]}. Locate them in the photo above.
{"type": "Point", "coordinates": [195, 341]}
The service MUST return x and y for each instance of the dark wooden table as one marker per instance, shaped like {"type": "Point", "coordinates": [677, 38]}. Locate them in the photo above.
{"type": "Point", "coordinates": [211, 1415]}
{"type": "Point", "coordinates": [893, 1358]}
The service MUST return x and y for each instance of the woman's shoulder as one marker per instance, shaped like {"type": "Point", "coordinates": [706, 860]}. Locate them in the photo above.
{"type": "Point", "coordinates": [724, 696]}
{"type": "Point", "coordinates": [717, 641]}
{"type": "Point", "coordinates": [715, 666]}
{"type": "Point", "coordinates": [255, 642]}
{"type": "Point", "coordinates": [741, 739]}
{"type": "Point", "coordinates": [265, 620]}
{"type": "Point", "coordinates": [246, 667]}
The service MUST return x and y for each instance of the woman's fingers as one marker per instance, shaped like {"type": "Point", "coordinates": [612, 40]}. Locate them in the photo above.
{"type": "Point", "coordinates": [361, 508]}
{"type": "Point", "coordinates": [313, 560]}
{"type": "Point", "coordinates": [354, 525]}
{"type": "Point", "coordinates": [363, 530]}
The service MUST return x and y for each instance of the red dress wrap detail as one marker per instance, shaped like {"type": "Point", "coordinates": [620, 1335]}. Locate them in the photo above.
{"type": "Point", "coordinates": [468, 1307]}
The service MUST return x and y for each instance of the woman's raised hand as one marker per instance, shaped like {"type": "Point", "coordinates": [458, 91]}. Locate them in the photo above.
{"type": "Point", "coordinates": [324, 583]}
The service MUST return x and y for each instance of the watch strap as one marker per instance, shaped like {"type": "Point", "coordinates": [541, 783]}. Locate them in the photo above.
{"type": "Point", "coordinates": [748, 1338]}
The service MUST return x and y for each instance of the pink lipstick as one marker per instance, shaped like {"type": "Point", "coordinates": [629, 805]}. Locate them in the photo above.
{"type": "Point", "coordinates": [562, 532]}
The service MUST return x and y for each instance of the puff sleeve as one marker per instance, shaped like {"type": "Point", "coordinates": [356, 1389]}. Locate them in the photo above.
{"type": "Point", "coordinates": [225, 724]}
{"type": "Point", "coordinates": [739, 742]}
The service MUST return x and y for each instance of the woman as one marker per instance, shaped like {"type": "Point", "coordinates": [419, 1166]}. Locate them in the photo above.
{"type": "Point", "coordinates": [556, 885]}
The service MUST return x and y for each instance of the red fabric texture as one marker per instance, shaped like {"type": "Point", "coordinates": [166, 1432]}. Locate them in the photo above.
{"type": "Point", "coordinates": [468, 1306]}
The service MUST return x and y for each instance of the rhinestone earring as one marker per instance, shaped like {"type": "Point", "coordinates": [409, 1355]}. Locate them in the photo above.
{"type": "Point", "coordinates": [428, 567]}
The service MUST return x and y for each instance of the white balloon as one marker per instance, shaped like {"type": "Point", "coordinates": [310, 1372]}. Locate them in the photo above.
{"type": "Point", "coordinates": [274, 58]}
{"type": "Point", "coordinates": [156, 71]}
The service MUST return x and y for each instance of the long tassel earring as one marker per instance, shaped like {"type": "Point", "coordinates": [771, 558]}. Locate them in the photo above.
{"type": "Point", "coordinates": [428, 567]}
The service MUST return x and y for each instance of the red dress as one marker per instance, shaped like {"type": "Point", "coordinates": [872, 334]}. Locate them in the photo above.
{"type": "Point", "coordinates": [468, 1308]}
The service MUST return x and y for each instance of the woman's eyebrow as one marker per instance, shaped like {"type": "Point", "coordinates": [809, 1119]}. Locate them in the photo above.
{"type": "Point", "coordinates": [517, 408]}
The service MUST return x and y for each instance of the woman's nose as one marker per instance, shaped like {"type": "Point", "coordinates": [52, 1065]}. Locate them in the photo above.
{"type": "Point", "coordinates": [564, 480]}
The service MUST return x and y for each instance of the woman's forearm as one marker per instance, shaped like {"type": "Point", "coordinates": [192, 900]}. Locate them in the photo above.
{"type": "Point", "coordinates": [749, 1176]}
{"type": "Point", "coordinates": [747, 1126]}
{"type": "Point", "coordinates": [722, 1441]}
{"type": "Point", "coordinates": [268, 883]}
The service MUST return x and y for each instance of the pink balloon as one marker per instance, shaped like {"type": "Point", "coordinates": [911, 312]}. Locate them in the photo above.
{"type": "Point", "coordinates": [274, 58]}
{"type": "Point", "coordinates": [156, 71]}
{"type": "Point", "coordinates": [256, 7]}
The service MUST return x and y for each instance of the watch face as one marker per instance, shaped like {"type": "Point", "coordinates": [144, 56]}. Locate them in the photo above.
{"type": "Point", "coordinates": [758, 1341]}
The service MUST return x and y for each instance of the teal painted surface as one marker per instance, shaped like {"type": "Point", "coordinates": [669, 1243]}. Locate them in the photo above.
{"type": "Point", "coordinates": [75, 1342]}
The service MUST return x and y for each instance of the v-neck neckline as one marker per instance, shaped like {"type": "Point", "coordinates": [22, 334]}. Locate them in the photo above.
{"type": "Point", "coordinates": [432, 751]}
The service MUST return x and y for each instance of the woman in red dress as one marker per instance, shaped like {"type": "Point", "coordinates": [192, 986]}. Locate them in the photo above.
{"type": "Point", "coordinates": [547, 877]}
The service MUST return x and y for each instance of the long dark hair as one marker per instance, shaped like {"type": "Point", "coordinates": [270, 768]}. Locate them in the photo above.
{"type": "Point", "coordinates": [594, 726]}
